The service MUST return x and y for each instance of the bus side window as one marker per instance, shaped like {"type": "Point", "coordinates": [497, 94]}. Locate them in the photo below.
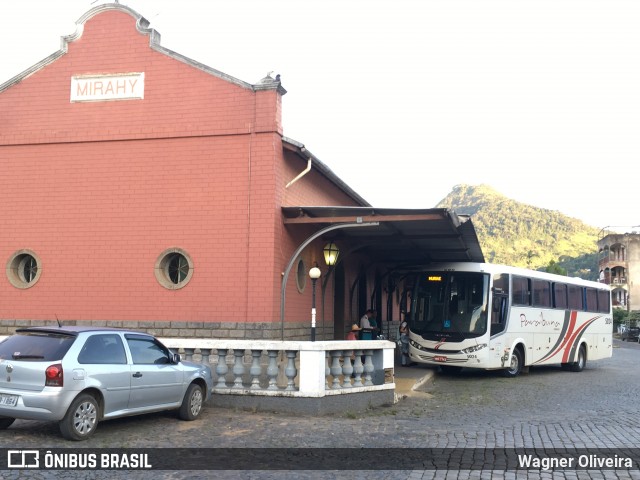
{"type": "Point", "coordinates": [521, 294]}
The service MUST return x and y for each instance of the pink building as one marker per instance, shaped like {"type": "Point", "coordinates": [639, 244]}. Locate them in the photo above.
{"type": "Point", "coordinates": [141, 188]}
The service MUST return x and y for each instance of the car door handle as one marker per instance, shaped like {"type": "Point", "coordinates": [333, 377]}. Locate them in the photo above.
{"type": "Point", "coordinates": [137, 375]}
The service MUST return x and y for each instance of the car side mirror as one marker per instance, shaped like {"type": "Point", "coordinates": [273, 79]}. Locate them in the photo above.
{"type": "Point", "coordinates": [175, 358]}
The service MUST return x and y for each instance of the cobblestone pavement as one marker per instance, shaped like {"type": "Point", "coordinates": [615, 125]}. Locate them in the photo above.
{"type": "Point", "coordinates": [547, 408]}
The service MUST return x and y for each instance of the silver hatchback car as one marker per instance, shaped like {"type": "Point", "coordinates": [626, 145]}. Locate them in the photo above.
{"type": "Point", "coordinates": [78, 376]}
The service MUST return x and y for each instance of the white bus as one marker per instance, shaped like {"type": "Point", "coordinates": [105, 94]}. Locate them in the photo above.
{"type": "Point", "coordinates": [478, 315]}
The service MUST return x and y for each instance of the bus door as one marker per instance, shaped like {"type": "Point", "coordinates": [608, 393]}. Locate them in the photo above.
{"type": "Point", "coordinates": [500, 303]}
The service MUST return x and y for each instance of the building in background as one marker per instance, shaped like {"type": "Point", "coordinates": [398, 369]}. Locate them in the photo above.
{"type": "Point", "coordinates": [619, 266]}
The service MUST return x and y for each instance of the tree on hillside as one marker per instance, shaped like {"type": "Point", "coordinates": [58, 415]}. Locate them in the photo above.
{"type": "Point", "coordinates": [553, 267]}
{"type": "Point", "coordinates": [530, 255]}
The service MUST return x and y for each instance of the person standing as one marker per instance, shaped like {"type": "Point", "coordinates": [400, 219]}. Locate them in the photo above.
{"type": "Point", "coordinates": [353, 334]}
{"type": "Point", "coordinates": [365, 325]}
{"type": "Point", "coordinates": [404, 344]}
{"type": "Point", "coordinates": [373, 322]}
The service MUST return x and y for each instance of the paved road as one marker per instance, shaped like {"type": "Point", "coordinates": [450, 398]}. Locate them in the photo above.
{"type": "Point", "coordinates": [548, 408]}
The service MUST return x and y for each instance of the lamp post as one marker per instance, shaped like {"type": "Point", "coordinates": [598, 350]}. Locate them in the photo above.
{"type": "Point", "coordinates": [314, 273]}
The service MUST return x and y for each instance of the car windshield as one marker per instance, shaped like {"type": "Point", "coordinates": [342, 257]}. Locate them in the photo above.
{"type": "Point", "coordinates": [450, 304]}
{"type": "Point", "coordinates": [36, 346]}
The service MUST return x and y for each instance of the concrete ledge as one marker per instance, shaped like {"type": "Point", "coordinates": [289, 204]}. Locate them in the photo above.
{"type": "Point", "coordinates": [299, 394]}
{"type": "Point", "coordinates": [354, 402]}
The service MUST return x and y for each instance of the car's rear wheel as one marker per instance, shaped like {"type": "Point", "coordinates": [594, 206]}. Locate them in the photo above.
{"type": "Point", "coordinates": [192, 403]}
{"type": "Point", "coordinates": [81, 419]}
{"type": "Point", "coordinates": [6, 422]}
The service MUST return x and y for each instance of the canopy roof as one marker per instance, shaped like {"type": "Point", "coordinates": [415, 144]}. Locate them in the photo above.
{"type": "Point", "coordinates": [403, 237]}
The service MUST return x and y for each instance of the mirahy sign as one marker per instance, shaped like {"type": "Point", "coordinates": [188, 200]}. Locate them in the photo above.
{"type": "Point", "coordinates": [106, 87]}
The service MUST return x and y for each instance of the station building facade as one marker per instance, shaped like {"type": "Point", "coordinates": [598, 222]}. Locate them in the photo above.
{"type": "Point", "coordinates": [140, 188]}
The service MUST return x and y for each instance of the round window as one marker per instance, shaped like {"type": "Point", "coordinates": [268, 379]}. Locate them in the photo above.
{"type": "Point", "coordinates": [301, 276]}
{"type": "Point", "coordinates": [23, 269]}
{"type": "Point", "coordinates": [173, 268]}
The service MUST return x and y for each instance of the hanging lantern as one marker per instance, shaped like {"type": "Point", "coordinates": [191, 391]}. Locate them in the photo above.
{"type": "Point", "coordinates": [331, 252]}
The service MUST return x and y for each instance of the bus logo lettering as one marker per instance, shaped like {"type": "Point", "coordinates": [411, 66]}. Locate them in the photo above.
{"type": "Point", "coordinates": [541, 322]}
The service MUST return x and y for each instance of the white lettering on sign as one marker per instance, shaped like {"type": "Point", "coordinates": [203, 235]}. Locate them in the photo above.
{"type": "Point", "coordinates": [101, 88]}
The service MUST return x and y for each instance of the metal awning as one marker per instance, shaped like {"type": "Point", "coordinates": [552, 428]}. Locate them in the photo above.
{"type": "Point", "coordinates": [403, 237]}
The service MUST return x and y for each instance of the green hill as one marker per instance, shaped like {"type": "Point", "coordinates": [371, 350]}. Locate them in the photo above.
{"type": "Point", "coordinates": [518, 234]}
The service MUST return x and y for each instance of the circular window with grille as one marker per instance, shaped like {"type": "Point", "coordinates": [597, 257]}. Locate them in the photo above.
{"type": "Point", "coordinates": [23, 269]}
{"type": "Point", "coordinates": [173, 268]}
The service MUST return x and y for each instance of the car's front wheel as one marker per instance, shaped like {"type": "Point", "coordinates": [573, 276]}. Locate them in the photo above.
{"type": "Point", "coordinates": [6, 422]}
{"type": "Point", "coordinates": [81, 419]}
{"type": "Point", "coordinates": [192, 403]}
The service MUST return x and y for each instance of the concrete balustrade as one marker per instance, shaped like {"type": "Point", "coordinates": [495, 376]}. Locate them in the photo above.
{"type": "Point", "coordinates": [321, 377]}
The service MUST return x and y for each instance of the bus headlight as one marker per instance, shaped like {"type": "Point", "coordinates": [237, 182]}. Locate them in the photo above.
{"type": "Point", "coordinates": [475, 348]}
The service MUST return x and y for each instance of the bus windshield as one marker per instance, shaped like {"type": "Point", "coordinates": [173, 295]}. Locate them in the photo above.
{"type": "Point", "coordinates": [451, 305]}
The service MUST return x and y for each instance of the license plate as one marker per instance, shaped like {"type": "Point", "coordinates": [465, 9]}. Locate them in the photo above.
{"type": "Point", "coordinates": [439, 358]}
{"type": "Point", "coordinates": [8, 400]}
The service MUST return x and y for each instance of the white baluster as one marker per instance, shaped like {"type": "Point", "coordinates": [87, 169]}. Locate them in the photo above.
{"type": "Point", "coordinates": [238, 367]}
{"type": "Point", "coordinates": [272, 369]}
{"type": "Point", "coordinates": [206, 353]}
{"type": "Point", "coordinates": [347, 369]}
{"type": "Point", "coordinates": [336, 368]}
{"type": "Point", "coordinates": [368, 367]}
{"type": "Point", "coordinates": [358, 368]}
{"type": "Point", "coordinates": [255, 369]}
{"type": "Point", "coordinates": [222, 368]}
{"type": "Point", "coordinates": [291, 371]}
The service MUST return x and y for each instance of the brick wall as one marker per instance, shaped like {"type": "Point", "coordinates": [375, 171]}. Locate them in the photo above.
{"type": "Point", "coordinates": [265, 330]}
{"type": "Point", "coordinates": [98, 190]}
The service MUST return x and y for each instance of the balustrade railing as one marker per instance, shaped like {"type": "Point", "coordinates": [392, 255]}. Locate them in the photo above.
{"type": "Point", "coordinates": [292, 368]}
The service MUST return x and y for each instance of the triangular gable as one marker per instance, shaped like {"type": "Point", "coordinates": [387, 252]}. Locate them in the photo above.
{"type": "Point", "coordinates": [108, 81]}
{"type": "Point", "coordinates": [142, 26]}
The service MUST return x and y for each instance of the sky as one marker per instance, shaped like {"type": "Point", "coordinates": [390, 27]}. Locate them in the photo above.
{"type": "Point", "coordinates": [404, 99]}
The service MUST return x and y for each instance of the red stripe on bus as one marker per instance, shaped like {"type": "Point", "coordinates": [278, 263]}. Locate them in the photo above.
{"type": "Point", "coordinates": [568, 334]}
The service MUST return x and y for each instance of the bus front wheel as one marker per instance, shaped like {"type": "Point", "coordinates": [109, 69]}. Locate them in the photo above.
{"type": "Point", "coordinates": [515, 367]}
